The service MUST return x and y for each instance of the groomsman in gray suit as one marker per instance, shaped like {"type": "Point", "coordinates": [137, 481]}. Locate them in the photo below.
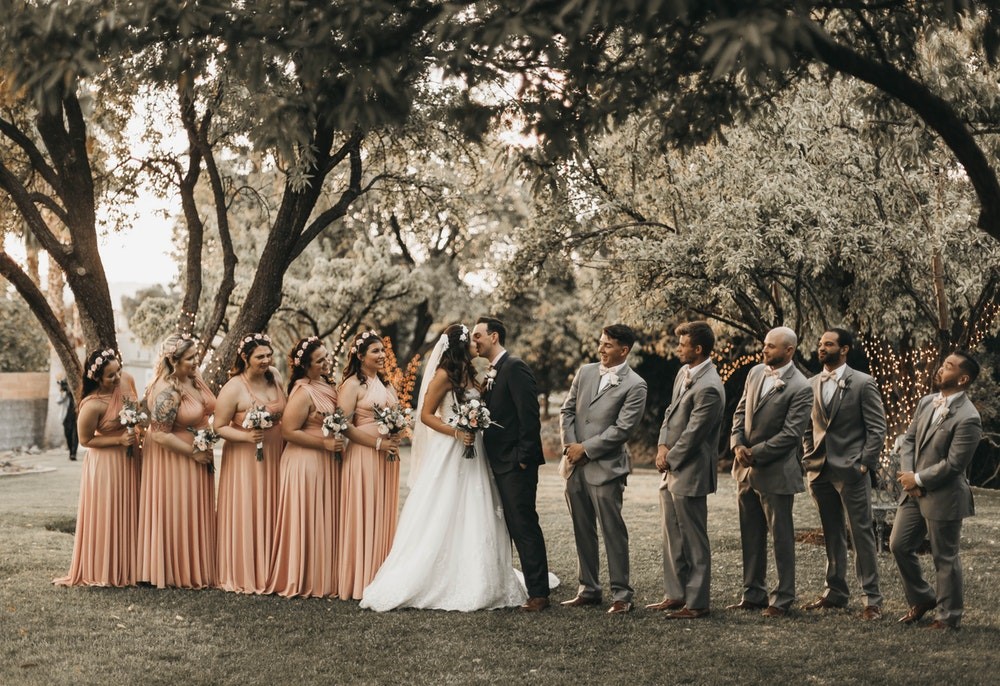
{"type": "Point", "coordinates": [687, 456]}
{"type": "Point", "coordinates": [601, 412]}
{"type": "Point", "coordinates": [936, 451]}
{"type": "Point", "coordinates": [767, 433]}
{"type": "Point", "coordinates": [842, 446]}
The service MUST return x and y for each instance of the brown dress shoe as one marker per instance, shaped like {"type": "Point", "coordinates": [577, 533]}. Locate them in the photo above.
{"type": "Point", "coordinates": [916, 612]}
{"type": "Point", "coordinates": [745, 605]}
{"type": "Point", "coordinates": [535, 604]}
{"type": "Point", "coordinates": [688, 613]}
{"type": "Point", "coordinates": [772, 611]}
{"type": "Point", "coordinates": [871, 612]}
{"type": "Point", "coordinates": [666, 604]}
{"type": "Point", "coordinates": [823, 603]}
{"type": "Point", "coordinates": [944, 626]}
{"type": "Point", "coordinates": [580, 601]}
{"type": "Point", "coordinates": [620, 607]}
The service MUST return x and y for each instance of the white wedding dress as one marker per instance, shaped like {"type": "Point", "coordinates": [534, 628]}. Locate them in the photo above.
{"type": "Point", "coordinates": [451, 550]}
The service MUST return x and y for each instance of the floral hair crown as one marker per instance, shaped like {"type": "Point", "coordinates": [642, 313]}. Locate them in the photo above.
{"type": "Point", "coordinates": [359, 341]}
{"type": "Point", "coordinates": [172, 348]}
{"type": "Point", "coordinates": [102, 359]}
{"type": "Point", "coordinates": [463, 337]}
{"type": "Point", "coordinates": [261, 338]}
{"type": "Point", "coordinates": [301, 350]}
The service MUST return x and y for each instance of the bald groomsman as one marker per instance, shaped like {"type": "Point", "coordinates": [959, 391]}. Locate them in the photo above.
{"type": "Point", "coordinates": [687, 456]}
{"type": "Point", "coordinates": [767, 433]}
{"type": "Point", "coordinates": [936, 451]}
{"type": "Point", "coordinates": [842, 446]}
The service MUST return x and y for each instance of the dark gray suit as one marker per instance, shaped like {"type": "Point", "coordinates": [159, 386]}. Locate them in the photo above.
{"type": "Point", "coordinates": [602, 422]}
{"type": "Point", "coordinates": [840, 439]}
{"type": "Point", "coordinates": [772, 427]}
{"type": "Point", "coordinates": [939, 453]}
{"type": "Point", "coordinates": [691, 426]}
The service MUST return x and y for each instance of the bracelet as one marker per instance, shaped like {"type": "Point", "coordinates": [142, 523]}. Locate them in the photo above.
{"type": "Point", "coordinates": [378, 444]}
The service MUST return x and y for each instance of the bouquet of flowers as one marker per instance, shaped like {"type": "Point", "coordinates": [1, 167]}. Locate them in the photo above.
{"type": "Point", "coordinates": [335, 423]}
{"type": "Point", "coordinates": [204, 441]}
{"type": "Point", "coordinates": [392, 420]}
{"type": "Point", "coordinates": [130, 417]}
{"type": "Point", "coordinates": [472, 416]}
{"type": "Point", "coordinates": [257, 418]}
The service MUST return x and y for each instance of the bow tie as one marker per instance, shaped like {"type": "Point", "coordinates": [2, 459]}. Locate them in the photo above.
{"type": "Point", "coordinates": [939, 401]}
{"type": "Point", "coordinates": [771, 371]}
{"type": "Point", "coordinates": [826, 376]}
{"type": "Point", "coordinates": [602, 370]}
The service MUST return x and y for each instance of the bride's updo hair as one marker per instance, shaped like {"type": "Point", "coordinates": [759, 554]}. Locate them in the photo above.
{"type": "Point", "coordinates": [456, 360]}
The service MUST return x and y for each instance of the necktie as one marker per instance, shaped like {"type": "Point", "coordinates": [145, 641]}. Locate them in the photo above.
{"type": "Point", "coordinates": [687, 378]}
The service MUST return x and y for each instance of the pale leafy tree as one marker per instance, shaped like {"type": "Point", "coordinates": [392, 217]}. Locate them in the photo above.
{"type": "Point", "coordinates": [305, 86]}
{"type": "Point", "coordinates": [803, 218]}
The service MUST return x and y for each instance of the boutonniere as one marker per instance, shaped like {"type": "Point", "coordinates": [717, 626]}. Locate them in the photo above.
{"type": "Point", "coordinates": [613, 380]}
{"type": "Point", "coordinates": [778, 384]}
{"type": "Point", "coordinates": [491, 377]}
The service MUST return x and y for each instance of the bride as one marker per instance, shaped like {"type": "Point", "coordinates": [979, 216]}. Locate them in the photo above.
{"type": "Point", "coordinates": [451, 550]}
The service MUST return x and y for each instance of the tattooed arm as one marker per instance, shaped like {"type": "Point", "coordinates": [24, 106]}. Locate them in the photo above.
{"type": "Point", "coordinates": [163, 414]}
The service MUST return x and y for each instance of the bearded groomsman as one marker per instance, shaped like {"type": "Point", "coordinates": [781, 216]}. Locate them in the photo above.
{"type": "Point", "coordinates": [935, 453]}
{"type": "Point", "coordinates": [842, 446]}
{"type": "Point", "coordinates": [687, 456]}
{"type": "Point", "coordinates": [601, 413]}
{"type": "Point", "coordinates": [767, 433]}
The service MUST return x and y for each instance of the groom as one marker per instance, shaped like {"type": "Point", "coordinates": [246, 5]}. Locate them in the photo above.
{"type": "Point", "coordinates": [514, 449]}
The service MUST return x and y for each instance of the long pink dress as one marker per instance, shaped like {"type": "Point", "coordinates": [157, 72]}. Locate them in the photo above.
{"type": "Point", "coordinates": [369, 501]}
{"type": "Point", "coordinates": [248, 504]}
{"type": "Point", "coordinates": [105, 542]}
{"type": "Point", "coordinates": [177, 504]}
{"type": "Point", "coordinates": [304, 560]}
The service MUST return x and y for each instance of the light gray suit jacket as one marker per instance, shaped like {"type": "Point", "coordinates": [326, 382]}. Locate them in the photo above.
{"type": "Point", "coordinates": [851, 434]}
{"type": "Point", "coordinates": [772, 428]}
{"type": "Point", "coordinates": [691, 426]}
{"type": "Point", "coordinates": [939, 454]}
{"type": "Point", "coordinates": [603, 422]}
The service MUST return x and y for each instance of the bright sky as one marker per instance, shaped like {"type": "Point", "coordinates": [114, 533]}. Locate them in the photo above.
{"type": "Point", "coordinates": [141, 253]}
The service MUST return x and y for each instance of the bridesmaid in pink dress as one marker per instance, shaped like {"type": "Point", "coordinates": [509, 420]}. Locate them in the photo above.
{"type": "Point", "coordinates": [104, 545]}
{"type": "Point", "coordinates": [369, 489]}
{"type": "Point", "coordinates": [304, 557]}
{"type": "Point", "coordinates": [177, 494]}
{"type": "Point", "coordinates": [248, 488]}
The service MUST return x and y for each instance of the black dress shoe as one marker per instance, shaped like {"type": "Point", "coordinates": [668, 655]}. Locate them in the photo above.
{"type": "Point", "coordinates": [580, 601]}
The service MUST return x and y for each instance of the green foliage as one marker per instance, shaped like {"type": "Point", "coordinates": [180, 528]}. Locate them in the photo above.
{"type": "Point", "coordinates": [23, 346]}
{"type": "Point", "coordinates": [154, 318]}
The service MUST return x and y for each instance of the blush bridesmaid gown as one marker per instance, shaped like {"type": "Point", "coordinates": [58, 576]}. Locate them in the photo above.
{"type": "Point", "coordinates": [248, 504]}
{"type": "Point", "coordinates": [104, 546]}
{"type": "Point", "coordinates": [369, 501]}
{"type": "Point", "coordinates": [304, 558]}
{"type": "Point", "coordinates": [177, 504]}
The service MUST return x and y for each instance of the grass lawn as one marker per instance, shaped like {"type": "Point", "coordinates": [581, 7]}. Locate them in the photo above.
{"type": "Point", "coordinates": [51, 635]}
